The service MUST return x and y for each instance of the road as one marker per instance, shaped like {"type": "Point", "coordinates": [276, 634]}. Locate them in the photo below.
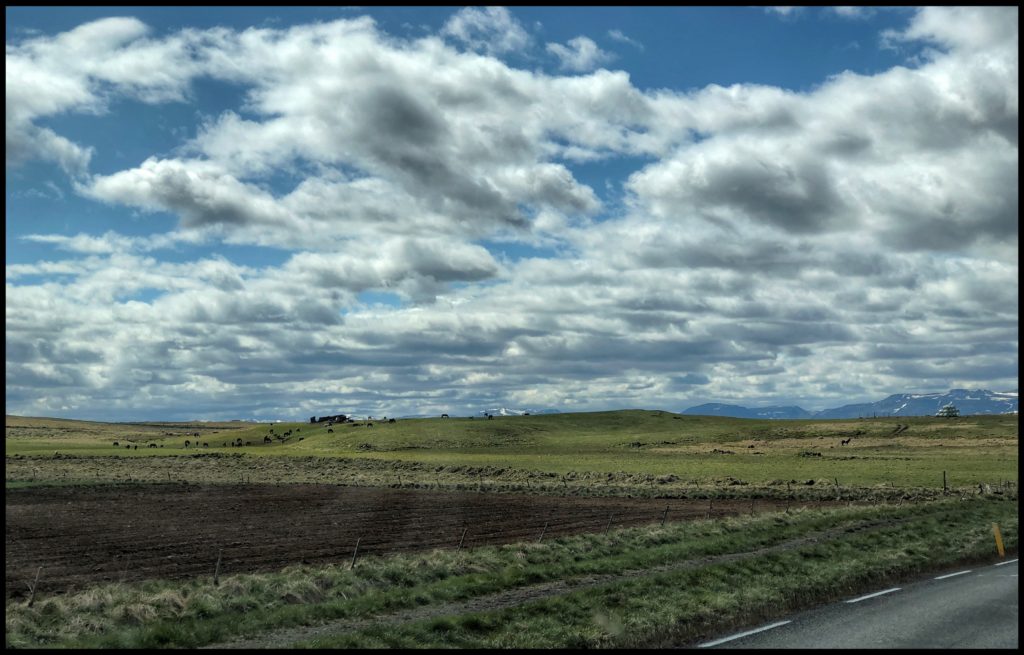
{"type": "Point", "coordinates": [962, 608]}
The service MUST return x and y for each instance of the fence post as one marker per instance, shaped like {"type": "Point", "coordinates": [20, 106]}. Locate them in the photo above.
{"type": "Point", "coordinates": [711, 502]}
{"type": "Point", "coordinates": [216, 570]}
{"type": "Point", "coordinates": [354, 553]}
{"type": "Point", "coordinates": [32, 594]}
{"type": "Point", "coordinates": [462, 539]}
{"type": "Point", "coordinates": [609, 523]}
{"type": "Point", "coordinates": [945, 487]}
{"type": "Point", "coordinates": [664, 516]}
{"type": "Point", "coordinates": [999, 540]}
{"type": "Point", "coordinates": [542, 532]}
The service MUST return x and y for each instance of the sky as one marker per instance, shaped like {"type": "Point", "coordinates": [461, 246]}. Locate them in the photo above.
{"type": "Point", "coordinates": [272, 213]}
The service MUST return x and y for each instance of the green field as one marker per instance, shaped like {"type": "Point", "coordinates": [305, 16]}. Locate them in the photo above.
{"type": "Point", "coordinates": [637, 587]}
{"type": "Point", "coordinates": [586, 449]}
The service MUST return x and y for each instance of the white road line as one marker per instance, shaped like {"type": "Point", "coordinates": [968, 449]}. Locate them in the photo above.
{"type": "Point", "coordinates": [742, 634]}
{"type": "Point", "coordinates": [878, 593]}
{"type": "Point", "coordinates": [950, 575]}
{"type": "Point", "coordinates": [1006, 562]}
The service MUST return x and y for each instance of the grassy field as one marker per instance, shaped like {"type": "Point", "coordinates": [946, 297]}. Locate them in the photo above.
{"type": "Point", "coordinates": [586, 450]}
{"type": "Point", "coordinates": [634, 587]}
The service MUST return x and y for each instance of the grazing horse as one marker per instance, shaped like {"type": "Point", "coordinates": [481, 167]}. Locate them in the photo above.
{"type": "Point", "coordinates": [845, 441]}
{"type": "Point", "coordinates": [267, 440]}
{"type": "Point", "coordinates": [444, 416]}
{"type": "Point", "coordinates": [187, 443]}
{"type": "Point", "coordinates": [369, 425]}
{"type": "Point", "coordinates": [391, 420]}
{"type": "Point", "coordinates": [206, 445]}
{"type": "Point", "coordinates": [116, 444]}
{"type": "Point", "coordinates": [330, 431]}
{"type": "Point", "coordinates": [152, 445]}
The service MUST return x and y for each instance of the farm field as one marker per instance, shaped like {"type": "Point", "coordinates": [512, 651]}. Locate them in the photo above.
{"type": "Point", "coordinates": [470, 531]}
{"type": "Point", "coordinates": [83, 536]}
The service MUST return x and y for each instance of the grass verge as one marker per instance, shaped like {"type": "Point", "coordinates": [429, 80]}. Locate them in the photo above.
{"type": "Point", "coordinates": [632, 587]}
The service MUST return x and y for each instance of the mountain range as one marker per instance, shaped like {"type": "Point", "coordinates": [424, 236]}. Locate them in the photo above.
{"type": "Point", "coordinates": [968, 401]}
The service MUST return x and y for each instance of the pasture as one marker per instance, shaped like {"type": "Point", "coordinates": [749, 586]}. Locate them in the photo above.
{"type": "Point", "coordinates": [629, 528]}
{"type": "Point", "coordinates": [631, 447]}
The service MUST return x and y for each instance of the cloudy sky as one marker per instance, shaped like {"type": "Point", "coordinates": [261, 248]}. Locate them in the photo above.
{"type": "Point", "coordinates": [273, 213]}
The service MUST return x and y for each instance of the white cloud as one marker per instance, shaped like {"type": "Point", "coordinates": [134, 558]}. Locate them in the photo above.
{"type": "Point", "coordinates": [489, 29]}
{"type": "Point", "coordinates": [784, 10]}
{"type": "Point", "coordinates": [772, 245]}
{"type": "Point", "coordinates": [617, 35]}
{"type": "Point", "coordinates": [965, 28]}
{"type": "Point", "coordinates": [853, 12]}
{"type": "Point", "coordinates": [581, 55]}
{"type": "Point", "coordinates": [75, 71]}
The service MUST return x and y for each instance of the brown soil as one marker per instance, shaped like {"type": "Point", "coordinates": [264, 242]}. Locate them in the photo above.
{"type": "Point", "coordinates": [81, 536]}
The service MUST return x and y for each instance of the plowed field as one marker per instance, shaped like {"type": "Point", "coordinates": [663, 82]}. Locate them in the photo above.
{"type": "Point", "coordinates": [81, 536]}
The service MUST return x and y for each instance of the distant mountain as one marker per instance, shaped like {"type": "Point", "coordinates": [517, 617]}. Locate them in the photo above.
{"type": "Point", "coordinates": [968, 401]}
{"type": "Point", "coordinates": [738, 411]}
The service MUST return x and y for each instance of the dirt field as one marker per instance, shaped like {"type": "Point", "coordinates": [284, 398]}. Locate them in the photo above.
{"type": "Point", "coordinates": [82, 536]}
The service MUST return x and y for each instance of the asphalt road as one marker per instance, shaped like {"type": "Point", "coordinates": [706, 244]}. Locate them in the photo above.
{"type": "Point", "coordinates": [976, 609]}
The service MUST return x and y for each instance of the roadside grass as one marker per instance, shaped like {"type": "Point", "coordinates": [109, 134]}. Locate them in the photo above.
{"type": "Point", "coordinates": [680, 608]}
{"type": "Point", "coordinates": [649, 599]}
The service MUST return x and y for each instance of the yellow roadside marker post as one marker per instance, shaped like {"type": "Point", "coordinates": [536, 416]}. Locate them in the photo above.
{"type": "Point", "coordinates": [999, 540]}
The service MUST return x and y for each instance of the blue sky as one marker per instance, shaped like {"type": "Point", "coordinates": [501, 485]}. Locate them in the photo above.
{"type": "Point", "coordinates": [278, 212]}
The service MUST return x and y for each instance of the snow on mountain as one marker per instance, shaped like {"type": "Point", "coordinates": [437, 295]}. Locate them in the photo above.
{"type": "Point", "coordinates": [505, 411]}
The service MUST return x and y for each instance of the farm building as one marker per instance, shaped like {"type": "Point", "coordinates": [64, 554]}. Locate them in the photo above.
{"type": "Point", "coordinates": [949, 411]}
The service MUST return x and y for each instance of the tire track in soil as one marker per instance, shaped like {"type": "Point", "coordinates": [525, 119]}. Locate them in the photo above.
{"type": "Point", "coordinates": [522, 595]}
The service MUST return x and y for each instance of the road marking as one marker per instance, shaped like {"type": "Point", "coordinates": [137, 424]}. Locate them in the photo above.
{"type": "Point", "coordinates": [877, 593]}
{"type": "Point", "coordinates": [1006, 562]}
{"type": "Point", "coordinates": [742, 634]}
{"type": "Point", "coordinates": [950, 575]}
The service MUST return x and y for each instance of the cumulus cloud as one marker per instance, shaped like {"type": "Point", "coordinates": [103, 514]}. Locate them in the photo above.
{"type": "Point", "coordinates": [905, 155]}
{"type": "Point", "coordinates": [77, 71]}
{"type": "Point", "coordinates": [964, 28]}
{"type": "Point", "coordinates": [771, 245]}
{"type": "Point", "coordinates": [379, 142]}
{"type": "Point", "coordinates": [580, 55]}
{"type": "Point", "coordinates": [489, 29]}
